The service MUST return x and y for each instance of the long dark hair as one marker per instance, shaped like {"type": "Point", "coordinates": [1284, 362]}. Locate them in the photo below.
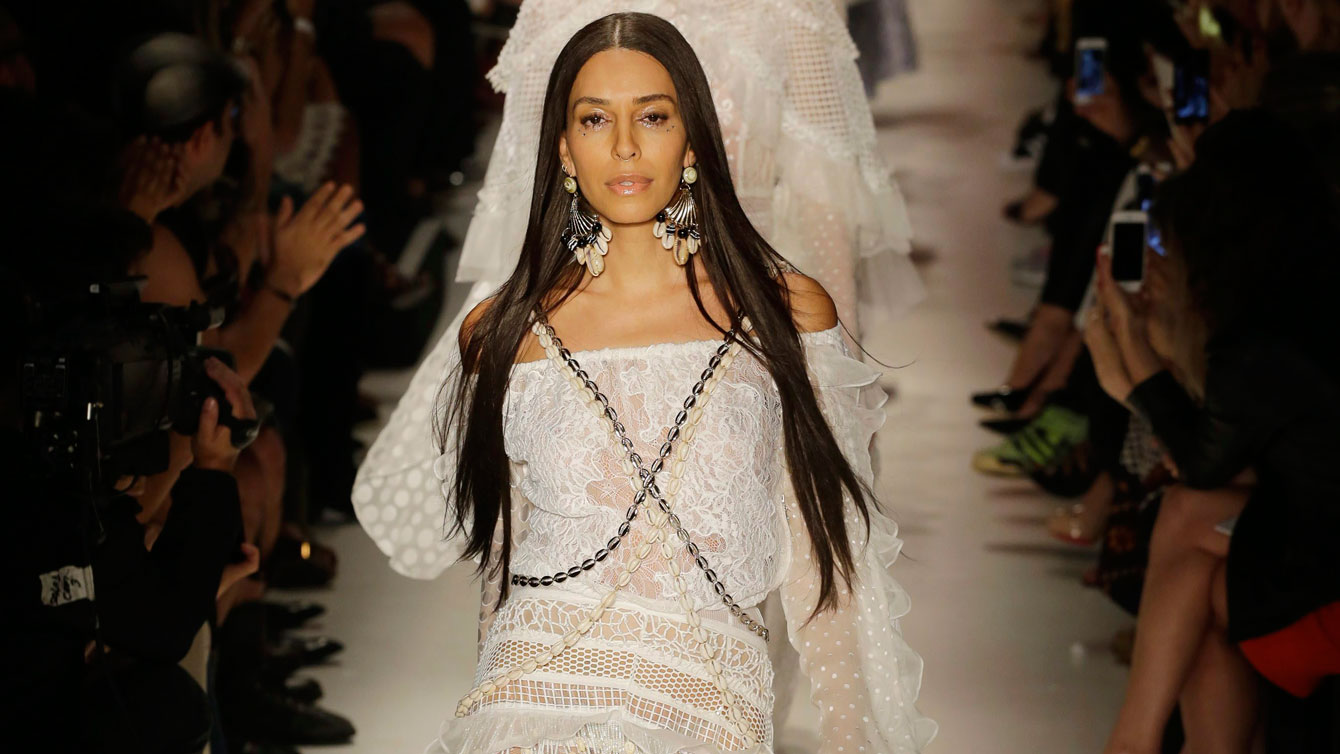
{"type": "Point", "coordinates": [745, 275]}
{"type": "Point", "coordinates": [1254, 222]}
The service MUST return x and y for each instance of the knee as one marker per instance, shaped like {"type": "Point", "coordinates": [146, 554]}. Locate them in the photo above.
{"type": "Point", "coordinates": [1177, 520]}
{"type": "Point", "coordinates": [270, 457]}
{"type": "Point", "coordinates": [268, 449]}
{"type": "Point", "coordinates": [1187, 518]}
{"type": "Point", "coordinates": [400, 22]}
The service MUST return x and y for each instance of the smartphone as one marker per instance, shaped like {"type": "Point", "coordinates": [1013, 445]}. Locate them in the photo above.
{"type": "Point", "coordinates": [1129, 231]}
{"type": "Point", "coordinates": [1090, 58]}
{"type": "Point", "coordinates": [1145, 183]}
{"type": "Point", "coordinates": [1191, 88]}
{"type": "Point", "coordinates": [1154, 239]}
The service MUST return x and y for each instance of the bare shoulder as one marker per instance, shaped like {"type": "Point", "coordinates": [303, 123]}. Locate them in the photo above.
{"type": "Point", "coordinates": [812, 309]}
{"type": "Point", "coordinates": [170, 273]}
{"type": "Point", "coordinates": [472, 319]}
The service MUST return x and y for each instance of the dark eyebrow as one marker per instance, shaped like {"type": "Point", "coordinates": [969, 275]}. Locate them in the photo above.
{"type": "Point", "coordinates": [644, 99]}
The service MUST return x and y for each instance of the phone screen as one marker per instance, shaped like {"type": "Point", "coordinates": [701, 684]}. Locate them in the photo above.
{"type": "Point", "coordinates": [1089, 71]}
{"type": "Point", "coordinates": [1128, 252]}
{"type": "Point", "coordinates": [1155, 240]}
{"type": "Point", "coordinates": [1144, 189]}
{"type": "Point", "coordinates": [1191, 90]}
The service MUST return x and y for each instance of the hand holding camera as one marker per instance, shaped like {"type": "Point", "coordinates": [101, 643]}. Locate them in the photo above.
{"type": "Point", "coordinates": [213, 443]}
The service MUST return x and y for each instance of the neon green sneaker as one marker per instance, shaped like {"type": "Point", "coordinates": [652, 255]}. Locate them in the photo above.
{"type": "Point", "coordinates": [1046, 440]}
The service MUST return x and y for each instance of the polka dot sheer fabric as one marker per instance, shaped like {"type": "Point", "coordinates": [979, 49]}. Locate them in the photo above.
{"type": "Point", "coordinates": [634, 682]}
{"type": "Point", "coordinates": [797, 128]}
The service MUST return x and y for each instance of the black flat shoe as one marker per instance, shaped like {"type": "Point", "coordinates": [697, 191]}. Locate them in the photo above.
{"type": "Point", "coordinates": [265, 747]}
{"type": "Point", "coordinates": [1012, 330]}
{"type": "Point", "coordinates": [301, 564]}
{"type": "Point", "coordinates": [1003, 399]}
{"type": "Point", "coordinates": [1004, 426]}
{"type": "Point", "coordinates": [269, 716]}
{"type": "Point", "coordinates": [286, 616]}
{"type": "Point", "coordinates": [293, 652]}
{"type": "Point", "coordinates": [304, 690]}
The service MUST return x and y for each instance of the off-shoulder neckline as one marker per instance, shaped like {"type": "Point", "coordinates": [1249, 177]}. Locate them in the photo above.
{"type": "Point", "coordinates": [610, 352]}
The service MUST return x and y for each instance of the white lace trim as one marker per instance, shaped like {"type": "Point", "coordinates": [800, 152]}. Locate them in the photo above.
{"type": "Point", "coordinates": [864, 677]}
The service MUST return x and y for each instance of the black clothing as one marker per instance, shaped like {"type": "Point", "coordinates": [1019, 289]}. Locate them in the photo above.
{"type": "Point", "coordinates": [1271, 406]}
{"type": "Point", "coordinates": [1084, 168]}
{"type": "Point", "coordinates": [74, 572]}
{"type": "Point", "coordinates": [413, 122]}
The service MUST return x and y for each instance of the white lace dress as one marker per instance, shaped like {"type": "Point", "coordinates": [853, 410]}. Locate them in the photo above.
{"type": "Point", "coordinates": [633, 682]}
{"type": "Point", "coordinates": [798, 134]}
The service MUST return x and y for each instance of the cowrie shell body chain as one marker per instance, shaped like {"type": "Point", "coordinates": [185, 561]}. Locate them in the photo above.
{"type": "Point", "coordinates": [661, 517]}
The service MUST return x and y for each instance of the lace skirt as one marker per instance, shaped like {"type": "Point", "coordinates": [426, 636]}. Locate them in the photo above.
{"type": "Point", "coordinates": [635, 683]}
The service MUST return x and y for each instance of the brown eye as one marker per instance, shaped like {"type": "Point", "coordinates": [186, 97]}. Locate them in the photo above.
{"type": "Point", "coordinates": [592, 120]}
{"type": "Point", "coordinates": [655, 119]}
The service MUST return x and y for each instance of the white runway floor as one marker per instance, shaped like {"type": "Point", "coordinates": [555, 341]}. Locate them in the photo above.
{"type": "Point", "coordinates": [1015, 649]}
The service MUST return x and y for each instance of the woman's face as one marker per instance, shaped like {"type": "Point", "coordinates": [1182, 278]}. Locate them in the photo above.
{"type": "Point", "coordinates": [624, 139]}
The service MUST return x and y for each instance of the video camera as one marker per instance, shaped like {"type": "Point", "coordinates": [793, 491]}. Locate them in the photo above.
{"type": "Point", "coordinates": [105, 375]}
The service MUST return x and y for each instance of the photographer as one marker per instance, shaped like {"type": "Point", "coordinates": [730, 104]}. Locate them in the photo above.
{"type": "Point", "coordinates": [207, 230]}
{"type": "Point", "coordinates": [189, 136]}
{"type": "Point", "coordinates": [96, 619]}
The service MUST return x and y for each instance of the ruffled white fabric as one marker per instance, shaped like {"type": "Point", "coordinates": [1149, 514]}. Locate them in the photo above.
{"type": "Point", "coordinates": [308, 160]}
{"type": "Point", "coordinates": [864, 677]}
{"type": "Point", "coordinates": [634, 675]}
{"type": "Point", "coordinates": [798, 131]}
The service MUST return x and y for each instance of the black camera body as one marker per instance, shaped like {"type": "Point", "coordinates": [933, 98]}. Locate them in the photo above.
{"type": "Point", "coordinates": [105, 375]}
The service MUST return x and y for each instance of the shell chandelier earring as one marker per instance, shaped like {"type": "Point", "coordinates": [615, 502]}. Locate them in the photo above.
{"type": "Point", "coordinates": [677, 224]}
{"type": "Point", "coordinates": [586, 237]}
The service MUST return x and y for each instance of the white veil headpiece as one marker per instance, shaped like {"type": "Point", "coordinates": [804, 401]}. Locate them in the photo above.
{"type": "Point", "coordinates": [797, 127]}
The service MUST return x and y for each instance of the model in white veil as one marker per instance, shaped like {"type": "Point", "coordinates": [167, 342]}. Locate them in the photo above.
{"type": "Point", "coordinates": [801, 144]}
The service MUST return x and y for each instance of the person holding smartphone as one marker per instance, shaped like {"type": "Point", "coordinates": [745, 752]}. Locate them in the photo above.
{"type": "Point", "coordinates": [1232, 362]}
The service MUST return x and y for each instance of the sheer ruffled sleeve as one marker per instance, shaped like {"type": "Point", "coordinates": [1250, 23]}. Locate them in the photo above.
{"type": "Point", "coordinates": [399, 494]}
{"type": "Point", "coordinates": [864, 677]}
{"type": "Point", "coordinates": [837, 212]}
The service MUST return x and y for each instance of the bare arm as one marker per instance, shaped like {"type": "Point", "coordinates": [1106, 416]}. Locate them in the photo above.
{"type": "Point", "coordinates": [290, 96]}
{"type": "Point", "coordinates": [305, 243]}
{"type": "Point", "coordinates": [251, 335]}
{"type": "Point", "coordinates": [172, 280]}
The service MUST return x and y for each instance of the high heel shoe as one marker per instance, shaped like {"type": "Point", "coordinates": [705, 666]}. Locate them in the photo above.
{"type": "Point", "coordinates": [1004, 399]}
{"type": "Point", "coordinates": [1069, 526]}
{"type": "Point", "coordinates": [1006, 426]}
{"type": "Point", "coordinates": [1012, 330]}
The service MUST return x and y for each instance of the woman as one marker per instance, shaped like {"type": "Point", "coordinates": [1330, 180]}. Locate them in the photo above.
{"type": "Point", "coordinates": [1242, 576]}
{"type": "Point", "coordinates": [798, 131]}
{"type": "Point", "coordinates": [626, 559]}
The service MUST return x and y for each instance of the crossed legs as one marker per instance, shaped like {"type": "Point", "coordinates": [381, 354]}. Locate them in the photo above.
{"type": "Point", "coordinates": [1182, 652]}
